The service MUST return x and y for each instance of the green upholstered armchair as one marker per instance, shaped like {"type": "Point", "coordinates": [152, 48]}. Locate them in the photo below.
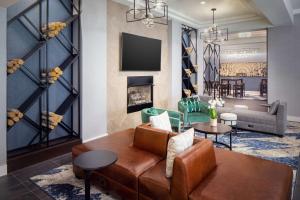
{"type": "Point", "coordinates": [193, 110]}
{"type": "Point", "coordinates": [174, 116]}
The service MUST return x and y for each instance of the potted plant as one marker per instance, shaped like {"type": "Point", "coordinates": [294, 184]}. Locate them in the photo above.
{"type": "Point", "coordinates": [213, 115]}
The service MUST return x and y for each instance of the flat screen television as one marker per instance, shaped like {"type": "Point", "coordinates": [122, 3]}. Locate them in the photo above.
{"type": "Point", "coordinates": [140, 53]}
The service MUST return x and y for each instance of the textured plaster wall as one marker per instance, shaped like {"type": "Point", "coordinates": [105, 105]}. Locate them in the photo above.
{"type": "Point", "coordinates": [118, 118]}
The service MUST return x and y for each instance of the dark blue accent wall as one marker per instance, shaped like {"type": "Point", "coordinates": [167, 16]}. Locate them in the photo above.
{"type": "Point", "coordinates": [19, 87]}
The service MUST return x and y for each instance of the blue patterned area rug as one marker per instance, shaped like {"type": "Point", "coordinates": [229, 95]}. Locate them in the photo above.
{"type": "Point", "coordinates": [61, 184]}
{"type": "Point", "coordinates": [283, 150]}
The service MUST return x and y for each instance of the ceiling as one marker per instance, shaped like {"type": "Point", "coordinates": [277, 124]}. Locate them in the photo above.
{"type": "Point", "coordinates": [245, 47]}
{"type": "Point", "coordinates": [227, 10]}
{"type": "Point", "coordinates": [237, 15]}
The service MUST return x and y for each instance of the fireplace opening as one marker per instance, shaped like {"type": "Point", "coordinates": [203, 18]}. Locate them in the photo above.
{"type": "Point", "coordinates": [139, 93]}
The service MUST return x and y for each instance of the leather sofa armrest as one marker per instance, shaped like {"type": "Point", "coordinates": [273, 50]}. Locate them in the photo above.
{"type": "Point", "coordinates": [191, 167]}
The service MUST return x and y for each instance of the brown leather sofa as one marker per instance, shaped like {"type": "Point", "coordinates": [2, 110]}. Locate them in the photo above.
{"type": "Point", "coordinates": [200, 172]}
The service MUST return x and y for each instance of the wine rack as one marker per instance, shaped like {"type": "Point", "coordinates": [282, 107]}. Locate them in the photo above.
{"type": "Point", "coordinates": [14, 64]}
{"type": "Point", "coordinates": [51, 111]}
{"type": "Point", "coordinates": [211, 71]}
{"type": "Point", "coordinates": [189, 61]}
{"type": "Point", "coordinates": [53, 29]}
{"type": "Point", "coordinates": [13, 116]}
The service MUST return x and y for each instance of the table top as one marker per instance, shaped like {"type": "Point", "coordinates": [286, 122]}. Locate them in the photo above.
{"type": "Point", "coordinates": [93, 160]}
{"type": "Point", "coordinates": [216, 130]}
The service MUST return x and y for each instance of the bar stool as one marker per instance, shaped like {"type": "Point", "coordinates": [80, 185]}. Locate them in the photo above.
{"type": "Point", "coordinates": [224, 87]}
{"type": "Point", "coordinates": [263, 87]}
{"type": "Point", "coordinates": [239, 88]}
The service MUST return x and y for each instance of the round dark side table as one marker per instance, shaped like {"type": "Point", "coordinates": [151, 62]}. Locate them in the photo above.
{"type": "Point", "coordinates": [94, 160]}
{"type": "Point", "coordinates": [220, 129]}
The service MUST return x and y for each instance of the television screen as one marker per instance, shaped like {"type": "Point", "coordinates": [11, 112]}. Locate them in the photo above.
{"type": "Point", "coordinates": [140, 53]}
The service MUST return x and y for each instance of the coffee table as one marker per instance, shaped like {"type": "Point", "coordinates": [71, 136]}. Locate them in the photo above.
{"type": "Point", "coordinates": [94, 160]}
{"type": "Point", "coordinates": [220, 129]}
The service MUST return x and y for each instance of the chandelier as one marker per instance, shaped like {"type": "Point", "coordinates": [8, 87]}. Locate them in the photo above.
{"type": "Point", "coordinates": [214, 34]}
{"type": "Point", "coordinates": [149, 12]}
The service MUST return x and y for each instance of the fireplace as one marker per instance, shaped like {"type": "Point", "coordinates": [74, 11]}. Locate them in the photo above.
{"type": "Point", "coordinates": [139, 93]}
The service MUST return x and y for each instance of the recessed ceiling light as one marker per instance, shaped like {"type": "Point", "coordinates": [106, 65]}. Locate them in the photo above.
{"type": "Point", "coordinates": [203, 2]}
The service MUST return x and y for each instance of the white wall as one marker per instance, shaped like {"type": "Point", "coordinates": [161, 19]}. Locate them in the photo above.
{"type": "Point", "coordinates": [201, 65]}
{"type": "Point", "coordinates": [284, 66]}
{"type": "Point", "coordinates": [94, 64]}
{"type": "Point", "coordinates": [175, 62]}
{"type": "Point", "coordinates": [3, 168]}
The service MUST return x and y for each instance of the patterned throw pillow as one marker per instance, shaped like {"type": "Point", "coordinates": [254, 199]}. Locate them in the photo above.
{"type": "Point", "coordinates": [161, 121]}
{"type": "Point", "coordinates": [197, 106]}
{"type": "Point", "coordinates": [176, 145]}
{"type": "Point", "coordinates": [190, 106]}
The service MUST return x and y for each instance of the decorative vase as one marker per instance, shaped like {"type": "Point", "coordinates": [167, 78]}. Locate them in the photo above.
{"type": "Point", "coordinates": [214, 122]}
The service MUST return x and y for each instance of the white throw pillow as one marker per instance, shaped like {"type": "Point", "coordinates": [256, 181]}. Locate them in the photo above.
{"type": "Point", "coordinates": [176, 145]}
{"type": "Point", "coordinates": [161, 121]}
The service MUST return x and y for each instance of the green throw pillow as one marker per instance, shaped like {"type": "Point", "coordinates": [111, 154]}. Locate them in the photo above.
{"type": "Point", "coordinates": [198, 107]}
{"type": "Point", "coordinates": [190, 106]}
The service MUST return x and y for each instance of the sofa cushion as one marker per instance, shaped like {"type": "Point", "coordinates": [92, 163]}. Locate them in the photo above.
{"type": "Point", "coordinates": [240, 176]}
{"type": "Point", "coordinates": [198, 117]}
{"type": "Point", "coordinates": [154, 183]}
{"type": "Point", "coordinates": [255, 117]}
{"type": "Point", "coordinates": [176, 145]}
{"type": "Point", "coordinates": [152, 140]}
{"type": "Point", "coordinates": [161, 121]}
{"type": "Point", "coordinates": [131, 163]}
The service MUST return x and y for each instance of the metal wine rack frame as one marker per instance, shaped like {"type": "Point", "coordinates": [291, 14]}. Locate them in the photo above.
{"type": "Point", "coordinates": [189, 61]}
{"type": "Point", "coordinates": [73, 87]}
{"type": "Point", "coordinates": [211, 73]}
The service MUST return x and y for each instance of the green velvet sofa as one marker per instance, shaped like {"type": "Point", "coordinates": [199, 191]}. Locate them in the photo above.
{"type": "Point", "coordinates": [193, 110]}
{"type": "Point", "coordinates": [174, 116]}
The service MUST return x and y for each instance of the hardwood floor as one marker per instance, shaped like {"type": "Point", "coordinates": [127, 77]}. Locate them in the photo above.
{"type": "Point", "coordinates": [17, 185]}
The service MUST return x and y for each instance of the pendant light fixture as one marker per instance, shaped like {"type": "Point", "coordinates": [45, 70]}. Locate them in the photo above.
{"type": "Point", "coordinates": [214, 34]}
{"type": "Point", "coordinates": [149, 12]}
